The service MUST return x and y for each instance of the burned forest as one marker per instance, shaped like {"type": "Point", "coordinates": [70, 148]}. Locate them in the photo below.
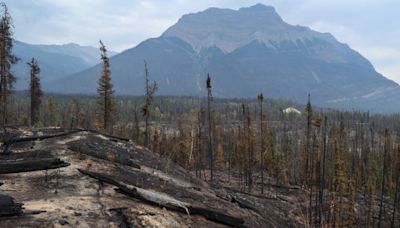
{"type": "Point", "coordinates": [160, 160]}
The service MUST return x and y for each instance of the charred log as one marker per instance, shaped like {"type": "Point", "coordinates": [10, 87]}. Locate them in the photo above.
{"type": "Point", "coordinates": [35, 154]}
{"type": "Point", "coordinates": [18, 166]}
{"type": "Point", "coordinates": [107, 135]}
{"type": "Point", "coordinates": [166, 201]}
{"type": "Point", "coordinates": [244, 203]}
{"type": "Point", "coordinates": [130, 155]}
{"type": "Point", "coordinates": [97, 151]}
{"type": "Point", "coordinates": [18, 139]}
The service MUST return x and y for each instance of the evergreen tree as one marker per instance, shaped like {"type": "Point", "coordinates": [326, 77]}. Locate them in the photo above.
{"type": "Point", "coordinates": [105, 100]}
{"type": "Point", "coordinates": [35, 91]}
{"type": "Point", "coordinates": [7, 59]}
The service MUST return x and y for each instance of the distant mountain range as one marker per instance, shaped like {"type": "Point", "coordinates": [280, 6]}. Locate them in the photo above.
{"type": "Point", "coordinates": [246, 51]}
{"type": "Point", "coordinates": [56, 61]}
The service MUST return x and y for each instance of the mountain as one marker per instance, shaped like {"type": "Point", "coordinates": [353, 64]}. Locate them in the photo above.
{"type": "Point", "coordinates": [56, 61]}
{"type": "Point", "coordinates": [247, 51]}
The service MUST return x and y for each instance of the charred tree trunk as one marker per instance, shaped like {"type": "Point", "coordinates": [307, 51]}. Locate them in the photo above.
{"type": "Point", "coordinates": [210, 144]}
{"type": "Point", "coordinates": [166, 200]}
{"type": "Point", "coordinates": [385, 154]}
{"type": "Point", "coordinates": [322, 179]}
{"type": "Point", "coordinates": [18, 166]}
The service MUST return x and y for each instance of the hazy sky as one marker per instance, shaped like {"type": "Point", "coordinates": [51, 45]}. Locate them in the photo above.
{"type": "Point", "coordinates": [368, 26]}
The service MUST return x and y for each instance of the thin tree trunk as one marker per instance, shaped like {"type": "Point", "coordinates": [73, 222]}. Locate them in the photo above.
{"type": "Point", "coordinates": [146, 131]}
{"type": "Point", "coordinates": [383, 178]}
{"type": "Point", "coordinates": [397, 189]}
{"type": "Point", "coordinates": [322, 180]}
{"type": "Point", "coordinates": [210, 149]}
{"type": "Point", "coordinates": [262, 146]}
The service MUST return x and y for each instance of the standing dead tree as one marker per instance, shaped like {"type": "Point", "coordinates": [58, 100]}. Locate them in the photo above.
{"type": "Point", "coordinates": [150, 90]}
{"type": "Point", "coordinates": [323, 170]}
{"type": "Point", "coordinates": [210, 143]}
{"type": "Point", "coordinates": [397, 188]}
{"type": "Point", "coordinates": [199, 142]}
{"type": "Point", "coordinates": [105, 99]}
{"type": "Point", "coordinates": [384, 175]}
{"type": "Point", "coordinates": [308, 172]}
{"type": "Point", "coordinates": [260, 98]}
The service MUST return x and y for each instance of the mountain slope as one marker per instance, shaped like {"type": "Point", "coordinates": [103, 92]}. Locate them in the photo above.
{"type": "Point", "coordinates": [247, 51]}
{"type": "Point", "coordinates": [56, 61]}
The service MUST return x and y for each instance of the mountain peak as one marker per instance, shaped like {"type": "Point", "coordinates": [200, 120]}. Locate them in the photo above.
{"type": "Point", "coordinates": [260, 11]}
{"type": "Point", "coordinates": [229, 29]}
{"type": "Point", "coordinates": [259, 8]}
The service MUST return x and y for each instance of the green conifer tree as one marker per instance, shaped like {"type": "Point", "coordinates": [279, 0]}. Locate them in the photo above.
{"type": "Point", "coordinates": [7, 59]}
{"type": "Point", "coordinates": [35, 91]}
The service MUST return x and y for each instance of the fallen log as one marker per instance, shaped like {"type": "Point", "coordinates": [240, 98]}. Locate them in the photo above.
{"type": "Point", "coordinates": [39, 137]}
{"type": "Point", "coordinates": [8, 206]}
{"type": "Point", "coordinates": [166, 200]}
{"type": "Point", "coordinates": [18, 166]}
{"type": "Point", "coordinates": [98, 151]}
{"type": "Point", "coordinates": [130, 155]}
{"type": "Point", "coordinates": [149, 196]}
{"type": "Point", "coordinates": [34, 154]}
{"type": "Point", "coordinates": [18, 139]}
{"type": "Point", "coordinates": [106, 135]}
{"type": "Point", "coordinates": [244, 203]}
